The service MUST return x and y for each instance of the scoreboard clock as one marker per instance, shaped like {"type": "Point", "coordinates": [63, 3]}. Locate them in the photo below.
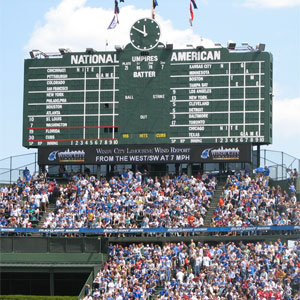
{"type": "Point", "coordinates": [145, 34]}
{"type": "Point", "coordinates": [148, 94]}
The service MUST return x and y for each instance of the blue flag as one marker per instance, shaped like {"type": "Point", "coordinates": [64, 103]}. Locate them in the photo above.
{"type": "Point", "coordinates": [154, 4]}
{"type": "Point", "coordinates": [194, 3]}
{"type": "Point", "coordinates": [117, 10]}
{"type": "Point", "coordinates": [113, 23]}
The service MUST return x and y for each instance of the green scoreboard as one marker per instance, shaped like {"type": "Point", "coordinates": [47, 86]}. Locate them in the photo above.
{"type": "Point", "coordinates": [148, 93]}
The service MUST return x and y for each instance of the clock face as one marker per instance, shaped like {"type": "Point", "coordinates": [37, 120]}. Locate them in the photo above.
{"type": "Point", "coordinates": [145, 34]}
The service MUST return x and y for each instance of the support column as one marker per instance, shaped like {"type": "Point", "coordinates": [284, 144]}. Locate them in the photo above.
{"type": "Point", "coordinates": [10, 169]}
{"type": "Point", "coordinates": [177, 166]}
{"type": "Point", "coordinates": [258, 156]}
{"type": "Point", "coordinates": [189, 170]}
{"type": "Point", "coordinates": [51, 283]}
{"type": "Point", "coordinates": [282, 177]}
{"type": "Point", "coordinates": [98, 171]}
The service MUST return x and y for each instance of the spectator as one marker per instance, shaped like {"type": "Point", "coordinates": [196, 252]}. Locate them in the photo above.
{"type": "Point", "coordinates": [249, 202]}
{"type": "Point", "coordinates": [295, 174]}
{"type": "Point", "coordinates": [225, 271]}
{"type": "Point", "coordinates": [130, 202]}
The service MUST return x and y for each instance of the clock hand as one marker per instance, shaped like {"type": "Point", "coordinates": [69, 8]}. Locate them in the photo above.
{"type": "Point", "coordinates": [140, 31]}
{"type": "Point", "coordinates": [145, 33]}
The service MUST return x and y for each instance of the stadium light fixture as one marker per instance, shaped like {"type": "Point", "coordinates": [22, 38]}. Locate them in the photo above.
{"type": "Point", "coordinates": [34, 53]}
{"type": "Point", "coordinates": [200, 48]}
{"type": "Point", "coordinates": [246, 44]}
{"type": "Point", "coordinates": [169, 46]}
{"type": "Point", "coordinates": [38, 54]}
{"type": "Point", "coordinates": [63, 51]}
{"type": "Point", "coordinates": [89, 50]}
{"type": "Point", "coordinates": [190, 45]}
{"type": "Point", "coordinates": [118, 48]}
{"type": "Point", "coordinates": [218, 45]}
{"type": "Point", "coordinates": [260, 47]}
{"type": "Point", "coordinates": [231, 45]}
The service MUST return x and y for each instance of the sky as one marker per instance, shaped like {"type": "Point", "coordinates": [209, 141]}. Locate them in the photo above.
{"type": "Point", "coordinates": [48, 25]}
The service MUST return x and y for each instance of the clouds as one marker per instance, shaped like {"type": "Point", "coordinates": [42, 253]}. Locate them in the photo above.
{"type": "Point", "coordinates": [73, 24]}
{"type": "Point", "coordinates": [271, 3]}
{"type": "Point", "coordinates": [76, 25]}
{"type": "Point", "coordinates": [286, 125]}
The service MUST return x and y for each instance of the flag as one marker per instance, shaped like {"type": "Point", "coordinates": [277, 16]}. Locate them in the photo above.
{"type": "Point", "coordinates": [194, 4]}
{"type": "Point", "coordinates": [117, 10]}
{"type": "Point", "coordinates": [154, 4]}
{"type": "Point", "coordinates": [191, 14]}
{"type": "Point", "coordinates": [113, 23]}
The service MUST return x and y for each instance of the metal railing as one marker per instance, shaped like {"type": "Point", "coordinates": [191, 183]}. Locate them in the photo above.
{"type": "Point", "coordinates": [12, 167]}
{"type": "Point", "coordinates": [280, 163]}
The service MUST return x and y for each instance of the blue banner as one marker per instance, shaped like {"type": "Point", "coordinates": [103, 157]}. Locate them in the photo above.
{"type": "Point", "coordinates": [147, 230]}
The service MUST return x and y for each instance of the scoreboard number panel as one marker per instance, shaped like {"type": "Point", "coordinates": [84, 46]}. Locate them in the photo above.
{"type": "Point", "coordinates": [148, 96]}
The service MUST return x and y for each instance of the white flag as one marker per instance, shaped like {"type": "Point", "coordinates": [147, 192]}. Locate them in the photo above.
{"type": "Point", "coordinates": [113, 23]}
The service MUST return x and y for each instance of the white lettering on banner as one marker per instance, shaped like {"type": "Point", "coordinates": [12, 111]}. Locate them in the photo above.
{"type": "Point", "coordinates": [144, 58]}
{"type": "Point", "coordinates": [183, 157]}
{"type": "Point", "coordinates": [54, 106]}
{"type": "Point", "coordinates": [196, 55]}
{"type": "Point", "coordinates": [50, 82]}
{"type": "Point", "coordinates": [56, 70]}
{"type": "Point", "coordinates": [93, 59]}
{"type": "Point", "coordinates": [52, 130]}
{"type": "Point", "coordinates": [199, 103]}
{"type": "Point", "coordinates": [197, 78]}
{"type": "Point", "coordinates": [104, 158]}
{"type": "Point", "coordinates": [198, 116]}
{"type": "Point", "coordinates": [206, 72]}
{"type": "Point", "coordinates": [141, 158]}
{"type": "Point", "coordinates": [103, 151]}
{"type": "Point", "coordinates": [204, 91]}
{"type": "Point", "coordinates": [56, 100]}
{"type": "Point", "coordinates": [53, 143]}
{"type": "Point", "coordinates": [180, 150]}
{"type": "Point", "coordinates": [161, 150]}
{"type": "Point", "coordinates": [196, 109]}
{"type": "Point", "coordinates": [196, 122]}
{"type": "Point", "coordinates": [162, 96]}
{"type": "Point", "coordinates": [119, 151]}
{"type": "Point", "coordinates": [56, 112]}
{"type": "Point", "coordinates": [196, 128]}
{"type": "Point", "coordinates": [147, 158]}
{"type": "Point", "coordinates": [61, 76]}
{"type": "Point", "coordinates": [144, 74]}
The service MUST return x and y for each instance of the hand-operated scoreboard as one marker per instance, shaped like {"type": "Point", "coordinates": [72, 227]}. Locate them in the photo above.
{"type": "Point", "coordinates": [148, 93]}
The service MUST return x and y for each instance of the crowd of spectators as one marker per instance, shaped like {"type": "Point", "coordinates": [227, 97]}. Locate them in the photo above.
{"type": "Point", "coordinates": [250, 201]}
{"type": "Point", "coordinates": [22, 203]}
{"type": "Point", "coordinates": [132, 201]}
{"type": "Point", "coordinates": [135, 200]}
{"type": "Point", "coordinates": [176, 271]}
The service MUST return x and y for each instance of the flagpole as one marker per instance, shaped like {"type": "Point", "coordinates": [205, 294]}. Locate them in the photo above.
{"type": "Point", "coordinates": [151, 10]}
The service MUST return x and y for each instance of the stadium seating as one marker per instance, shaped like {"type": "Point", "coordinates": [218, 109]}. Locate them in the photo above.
{"type": "Point", "coordinates": [199, 271]}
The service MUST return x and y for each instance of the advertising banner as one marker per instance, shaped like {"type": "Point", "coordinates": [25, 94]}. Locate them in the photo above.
{"type": "Point", "coordinates": [128, 154]}
{"type": "Point", "coordinates": [149, 230]}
